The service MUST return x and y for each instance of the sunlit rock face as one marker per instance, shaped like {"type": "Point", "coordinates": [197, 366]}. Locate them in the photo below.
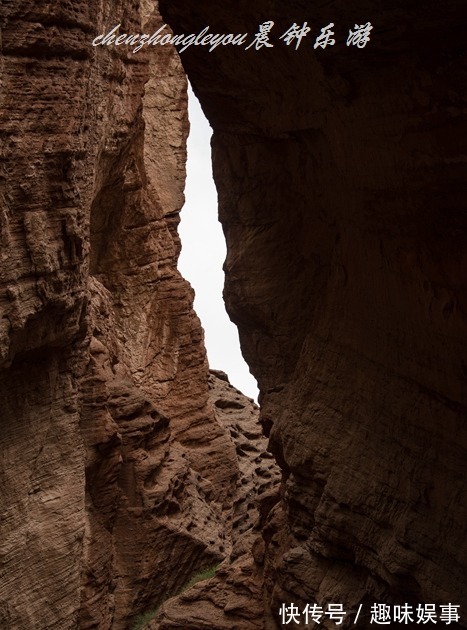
{"type": "Point", "coordinates": [118, 477]}
{"type": "Point", "coordinates": [341, 179]}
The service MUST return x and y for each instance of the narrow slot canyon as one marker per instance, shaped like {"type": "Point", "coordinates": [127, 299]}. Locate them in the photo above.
{"type": "Point", "coordinates": [140, 489]}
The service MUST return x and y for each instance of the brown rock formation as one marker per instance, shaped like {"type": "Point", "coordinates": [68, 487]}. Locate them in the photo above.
{"type": "Point", "coordinates": [341, 186]}
{"type": "Point", "coordinates": [233, 599]}
{"type": "Point", "coordinates": [341, 179]}
{"type": "Point", "coordinates": [118, 479]}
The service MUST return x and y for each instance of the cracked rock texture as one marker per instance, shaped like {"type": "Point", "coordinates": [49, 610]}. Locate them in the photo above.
{"type": "Point", "coordinates": [125, 467]}
{"type": "Point", "coordinates": [121, 474]}
{"type": "Point", "coordinates": [341, 180]}
{"type": "Point", "coordinates": [233, 598]}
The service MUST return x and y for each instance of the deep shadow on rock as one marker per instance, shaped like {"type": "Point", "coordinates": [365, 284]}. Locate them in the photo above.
{"type": "Point", "coordinates": [341, 180]}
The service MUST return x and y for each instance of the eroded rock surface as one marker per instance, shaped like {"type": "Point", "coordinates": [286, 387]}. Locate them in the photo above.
{"type": "Point", "coordinates": [233, 598]}
{"type": "Point", "coordinates": [118, 478]}
{"type": "Point", "coordinates": [342, 191]}
{"type": "Point", "coordinates": [341, 179]}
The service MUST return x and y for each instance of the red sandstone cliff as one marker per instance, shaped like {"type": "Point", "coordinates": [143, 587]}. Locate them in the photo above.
{"type": "Point", "coordinates": [118, 477]}
{"type": "Point", "coordinates": [124, 467]}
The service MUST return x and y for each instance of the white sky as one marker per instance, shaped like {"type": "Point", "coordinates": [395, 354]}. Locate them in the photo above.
{"type": "Point", "coordinates": [203, 254]}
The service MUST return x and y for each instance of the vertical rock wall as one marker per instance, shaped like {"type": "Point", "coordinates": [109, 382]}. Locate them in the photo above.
{"type": "Point", "coordinates": [48, 82]}
{"type": "Point", "coordinates": [118, 479]}
{"type": "Point", "coordinates": [341, 187]}
{"type": "Point", "coordinates": [341, 180]}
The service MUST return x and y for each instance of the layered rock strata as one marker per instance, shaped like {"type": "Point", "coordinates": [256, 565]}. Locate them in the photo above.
{"type": "Point", "coordinates": [341, 180]}
{"type": "Point", "coordinates": [341, 186]}
{"type": "Point", "coordinates": [233, 598]}
{"type": "Point", "coordinates": [118, 479]}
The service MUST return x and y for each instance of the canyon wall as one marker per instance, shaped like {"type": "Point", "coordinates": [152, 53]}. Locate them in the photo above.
{"type": "Point", "coordinates": [122, 470]}
{"type": "Point", "coordinates": [126, 467]}
{"type": "Point", "coordinates": [341, 181]}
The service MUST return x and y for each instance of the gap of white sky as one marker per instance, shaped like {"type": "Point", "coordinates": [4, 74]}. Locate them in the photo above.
{"type": "Point", "coordinates": [203, 254]}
